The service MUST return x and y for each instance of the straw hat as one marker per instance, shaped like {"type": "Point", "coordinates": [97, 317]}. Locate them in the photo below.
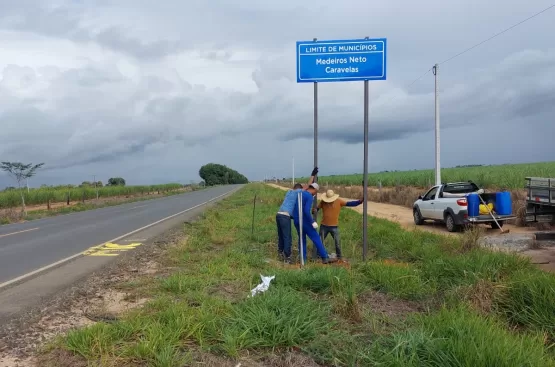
{"type": "Point", "coordinates": [329, 196]}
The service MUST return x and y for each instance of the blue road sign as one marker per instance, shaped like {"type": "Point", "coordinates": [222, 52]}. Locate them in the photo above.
{"type": "Point", "coordinates": [343, 60]}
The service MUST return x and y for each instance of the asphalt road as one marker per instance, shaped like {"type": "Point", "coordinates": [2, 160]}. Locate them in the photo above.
{"type": "Point", "coordinates": [26, 247]}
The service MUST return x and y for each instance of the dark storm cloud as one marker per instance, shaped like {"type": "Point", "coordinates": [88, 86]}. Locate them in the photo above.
{"type": "Point", "coordinates": [353, 133]}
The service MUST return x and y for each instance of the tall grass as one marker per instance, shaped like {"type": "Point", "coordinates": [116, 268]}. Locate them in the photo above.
{"type": "Point", "coordinates": [12, 198]}
{"type": "Point", "coordinates": [460, 337]}
{"type": "Point", "coordinates": [508, 176]}
{"type": "Point", "coordinates": [324, 312]}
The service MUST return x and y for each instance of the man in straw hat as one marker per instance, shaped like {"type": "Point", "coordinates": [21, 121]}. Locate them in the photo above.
{"type": "Point", "coordinates": [309, 226]}
{"type": "Point", "coordinates": [331, 205]}
{"type": "Point", "coordinates": [284, 216]}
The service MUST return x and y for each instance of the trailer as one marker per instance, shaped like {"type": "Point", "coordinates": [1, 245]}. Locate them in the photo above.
{"type": "Point", "coordinates": [540, 199]}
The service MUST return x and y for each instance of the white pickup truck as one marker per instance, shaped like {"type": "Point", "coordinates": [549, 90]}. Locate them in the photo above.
{"type": "Point", "coordinates": [447, 203]}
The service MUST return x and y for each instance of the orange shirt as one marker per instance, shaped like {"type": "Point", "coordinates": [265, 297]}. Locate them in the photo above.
{"type": "Point", "coordinates": [330, 212]}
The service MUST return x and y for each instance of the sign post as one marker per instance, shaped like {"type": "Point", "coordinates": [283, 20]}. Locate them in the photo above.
{"type": "Point", "coordinates": [315, 146]}
{"type": "Point", "coordinates": [344, 60]}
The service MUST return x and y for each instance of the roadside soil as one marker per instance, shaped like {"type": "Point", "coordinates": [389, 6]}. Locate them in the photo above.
{"type": "Point", "coordinates": [102, 296]}
{"type": "Point", "coordinates": [544, 257]}
{"type": "Point", "coordinates": [403, 216]}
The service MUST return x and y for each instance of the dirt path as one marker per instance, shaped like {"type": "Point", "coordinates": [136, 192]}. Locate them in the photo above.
{"type": "Point", "coordinates": [544, 257]}
{"type": "Point", "coordinates": [403, 216]}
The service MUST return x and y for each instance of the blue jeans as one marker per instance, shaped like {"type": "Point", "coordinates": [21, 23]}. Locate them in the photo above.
{"type": "Point", "coordinates": [334, 231]}
{"type": "Point", "coordinates": [285, 239]}
{"type": "Point", "coordinates": [314, 237]}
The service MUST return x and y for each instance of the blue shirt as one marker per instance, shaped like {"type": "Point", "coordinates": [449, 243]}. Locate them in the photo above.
{"type": "Point", "coordinates": [306, 209]}
{"type": "Point", "coordinates": [288, 205]}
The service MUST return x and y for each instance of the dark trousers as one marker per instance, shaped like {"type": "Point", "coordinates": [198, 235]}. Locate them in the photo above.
{"type": "Point", "coordinates": [285, 239]}
{"type": "Point", "coordinates": [314, 237]}
{"type": "Point", "coordinates": [334, 231]}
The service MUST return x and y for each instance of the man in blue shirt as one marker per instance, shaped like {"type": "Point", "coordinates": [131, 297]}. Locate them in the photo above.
{"type": "Point", "coordinates": [283, 219]}
{"type": "Point", "coordinates": [309, 226]}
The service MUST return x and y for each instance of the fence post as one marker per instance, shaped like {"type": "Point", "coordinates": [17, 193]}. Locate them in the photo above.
{"type": "Point", "coordinates": [68, 194]}
{"type": "Point", "coordinates": [253, 211]}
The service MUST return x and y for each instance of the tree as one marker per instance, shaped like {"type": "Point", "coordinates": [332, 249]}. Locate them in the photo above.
{"type": "Point", "coordinates": [20, 172]}
{"type": "Point", "coordinates": [116, 181]}
{"type": "Point", "coordinates": [217, 174]}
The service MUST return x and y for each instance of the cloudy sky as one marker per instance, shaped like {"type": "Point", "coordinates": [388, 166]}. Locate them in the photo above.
{"type": "Point", "coordinates": [151, 90]}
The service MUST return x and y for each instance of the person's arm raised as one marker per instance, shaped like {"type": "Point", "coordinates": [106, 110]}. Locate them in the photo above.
{"type": "Point", "coordinates": [313, 176]}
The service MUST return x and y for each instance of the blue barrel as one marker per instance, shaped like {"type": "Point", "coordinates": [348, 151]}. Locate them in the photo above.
{"type": "Point", "coordinates": [503, 203]}
{"type": "Point", "coordinates": [473, 205]}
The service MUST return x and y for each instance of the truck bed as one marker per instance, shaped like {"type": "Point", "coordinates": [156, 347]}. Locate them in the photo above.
{"type": "Point", "coordinates": [540, 199]}
{"type": "Point", "coordinates": [487, 218]}
{"type": "Point", "coordinates": [540, 190]}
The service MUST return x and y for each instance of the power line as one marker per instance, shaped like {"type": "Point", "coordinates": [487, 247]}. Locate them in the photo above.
{"type": "Point", "coordinates": [498, 34]}
{"type": "Point", "coordinates": [470, 48]}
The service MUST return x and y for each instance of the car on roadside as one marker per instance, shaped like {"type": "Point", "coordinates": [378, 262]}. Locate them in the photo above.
{"type": "Point", "coordinates": [447, 203]}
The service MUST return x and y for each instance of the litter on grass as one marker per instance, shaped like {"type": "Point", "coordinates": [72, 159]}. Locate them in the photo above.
{"type": "Point", "coordinates": [262, 287]}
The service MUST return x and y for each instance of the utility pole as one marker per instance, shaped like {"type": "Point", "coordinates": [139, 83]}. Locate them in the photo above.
{"type": "Point", "coordinates": [437, 166]}
{"type": "Point", "coordinates": [95, 186]}
{"type": "Point", "coordinates": [293, 162]}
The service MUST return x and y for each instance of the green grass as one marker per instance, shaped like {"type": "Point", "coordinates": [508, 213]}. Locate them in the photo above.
{"type": "Point", "coordinates": [324, 312]}
{"type": "Point", "coordinates": [12, 198]}
{"type": "Point", "coordinates": [460, 337]}
{"type": "Point", "coordinates": [508, 176]}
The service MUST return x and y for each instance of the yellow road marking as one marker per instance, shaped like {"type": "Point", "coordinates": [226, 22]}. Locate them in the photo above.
{"type": "Point", "coordinates": [11, 234]}
{"type": "Point", "coordinates": [109, 249]}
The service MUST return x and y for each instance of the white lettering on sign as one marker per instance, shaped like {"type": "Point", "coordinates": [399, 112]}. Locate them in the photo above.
{"type": "Point", "coordinates": [360, 47]}
{"type": "Point", "coordinates": [331, 61]}
{"type": "Point", "coordinates": [350, 69]}
{"type": "Point", "coordinates": [315, 49]}
{"type": "Point", "coordinates": [357, 59]}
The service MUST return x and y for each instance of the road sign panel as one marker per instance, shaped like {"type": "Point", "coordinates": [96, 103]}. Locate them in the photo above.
{"type": "Point", "coordinates": [342, 60]}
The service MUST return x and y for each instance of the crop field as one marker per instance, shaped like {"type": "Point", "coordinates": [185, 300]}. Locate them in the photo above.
{"type": "Point", "coordinates": [12, 198]}
{"type": "Point", "coordinates": [508, 176]}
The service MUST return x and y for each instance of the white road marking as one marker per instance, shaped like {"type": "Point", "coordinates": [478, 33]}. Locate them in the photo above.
{"type": "Point", "coordinates": [57, 263]}
{"type": "Point", "coordinates": [11, 234]}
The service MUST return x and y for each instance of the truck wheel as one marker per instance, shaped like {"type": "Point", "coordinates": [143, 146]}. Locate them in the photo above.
{"type": "Point", "coordinates": [450, 223]}
{"type": "Point", "coordinates": [418, 220]}
{"type": "Point", "coordinates": [495, 226]}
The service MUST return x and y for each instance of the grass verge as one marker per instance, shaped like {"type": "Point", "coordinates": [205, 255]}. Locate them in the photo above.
{"type": "Point", "coordinates": [420, 301]}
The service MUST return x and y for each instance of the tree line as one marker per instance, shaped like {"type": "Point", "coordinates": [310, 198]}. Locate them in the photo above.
{"type": "Point", "coordinates": [218, 174]}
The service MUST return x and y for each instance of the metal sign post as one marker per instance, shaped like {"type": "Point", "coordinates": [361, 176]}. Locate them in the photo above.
{"type": "Point", "coordinates": [438, 167]}
{"type": "Point", "coordinates": [344, 60]}
{"type": "Point", "coordinates": [314, 203]}
{"type": "Point", "coordinates": [365, 178]}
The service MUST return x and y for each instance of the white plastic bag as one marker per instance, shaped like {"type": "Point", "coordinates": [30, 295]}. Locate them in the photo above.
{"type": "Point", "coordinates": [262, 287]}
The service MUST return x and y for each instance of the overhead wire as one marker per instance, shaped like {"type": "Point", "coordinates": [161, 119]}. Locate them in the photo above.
{"type": "Point", "coordinates": [498, 34]}
{"type": "Point", "coordinates": [474, 46]}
